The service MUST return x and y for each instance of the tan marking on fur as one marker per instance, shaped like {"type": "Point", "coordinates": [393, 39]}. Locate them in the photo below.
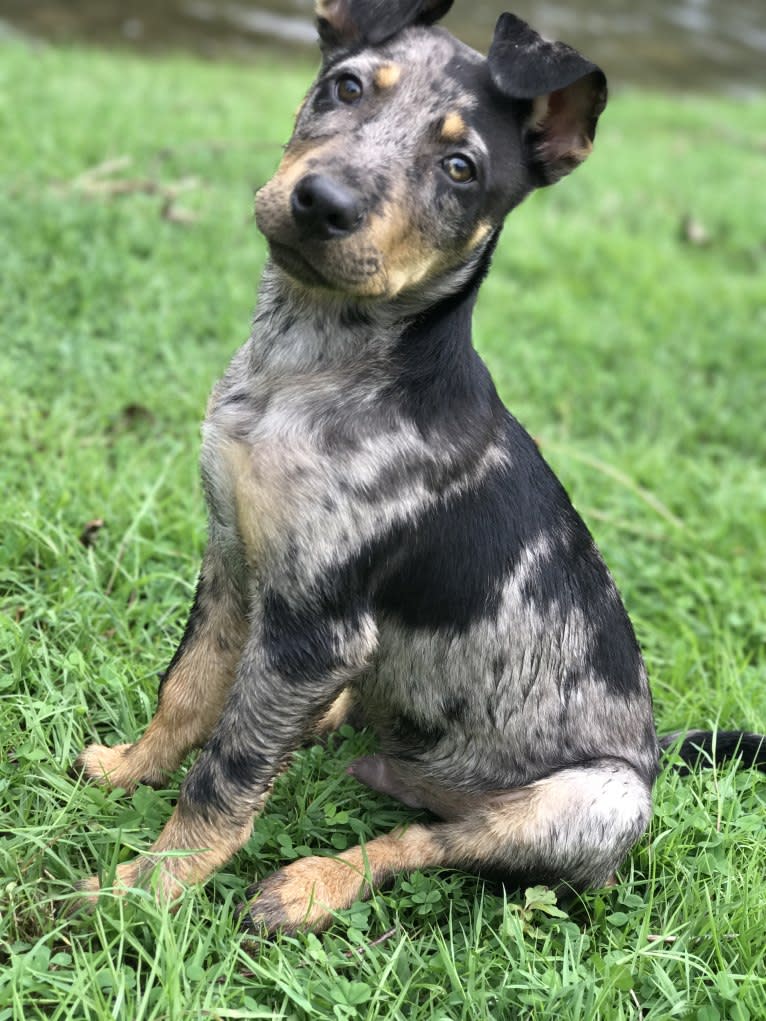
{"type": "Point", "coordinates": [191, 701]}
{"type": "Point", "coordinates": [337, 714]}
{"type": "Point", "coordinates": [408, 257]}
{"type": "Point", "coordinates": [454, 127]}
{"type": "Point", "coordinates": [480, 234]}
{"type": "Point", "coordinates": [105, 765]}
{"type": "Point", "coordinates": [252, 505]}
{"type": "Point", "coordinates": [304, 894]}
{"type": "Point", "coordinates": [387, 76]}
{"type": "Point", "coordinates": [500, 821]}
{"type": "Point", "coordinates": [262, 494]}
{"type": "Point", "coordinates": [272, 201]}
{"type": "Point", "coordinates": [295, 155]}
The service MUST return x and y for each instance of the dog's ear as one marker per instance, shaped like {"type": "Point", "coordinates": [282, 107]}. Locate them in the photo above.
{"type": "Point", "coordinates": [567, 92]}
{"type": "Point", "coordinates": [349, 22]}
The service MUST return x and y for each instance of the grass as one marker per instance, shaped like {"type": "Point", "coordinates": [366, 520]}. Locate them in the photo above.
{"type": "Point", "coordinates": [637, 359]}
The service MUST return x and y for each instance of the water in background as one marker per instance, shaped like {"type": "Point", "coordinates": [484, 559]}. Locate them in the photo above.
{"type": "Point", "coordinates": [688, 44]}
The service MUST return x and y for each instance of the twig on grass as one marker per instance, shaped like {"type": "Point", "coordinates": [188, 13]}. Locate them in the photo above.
{"type": "Point", "coordinates": [100, 182]}
{"type": "Point", "coordinates": [619, 476]}
{"type": "Point", "coordinates": [357, 951]}
{"type": "Point", "coordinates": [102, 169]}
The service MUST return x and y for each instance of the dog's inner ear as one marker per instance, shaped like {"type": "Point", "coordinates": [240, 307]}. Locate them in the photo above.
{"type": "Point", "coordinates": [344, 23]}
{"type": "Point", "coordinates": [567, 93]}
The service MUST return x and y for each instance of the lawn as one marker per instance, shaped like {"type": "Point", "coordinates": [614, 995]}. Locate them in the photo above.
{"type": "Point", "coordinates": [625, 323]}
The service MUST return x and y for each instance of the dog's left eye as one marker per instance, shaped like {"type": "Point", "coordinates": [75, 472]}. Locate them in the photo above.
{"type": "Point", "coordinates": [348, 89]}
{"type": "Point", "coordinates": [459, 168]}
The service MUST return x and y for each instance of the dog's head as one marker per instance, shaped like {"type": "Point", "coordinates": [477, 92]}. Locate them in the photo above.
{"type": "Point", "coordinates": [411, 148]}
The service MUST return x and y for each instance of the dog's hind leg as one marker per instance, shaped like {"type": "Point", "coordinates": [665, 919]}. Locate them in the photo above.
{"type": "Point", "coordinates": [193, 689]}
{"type": "Point", "coordinates": [575, 827]}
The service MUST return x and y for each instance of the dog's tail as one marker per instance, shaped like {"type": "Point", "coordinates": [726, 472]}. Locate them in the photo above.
{"type": "Point", "coordinates": [696, 748]}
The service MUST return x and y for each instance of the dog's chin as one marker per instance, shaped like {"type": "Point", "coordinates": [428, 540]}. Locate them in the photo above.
{"type": "Point", "coordinates": [303, 272]}
{"type": "Point", "coordinates": [297, 267]}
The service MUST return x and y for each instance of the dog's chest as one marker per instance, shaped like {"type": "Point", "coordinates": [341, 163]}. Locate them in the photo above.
{"type": "Point", "coordinates": [299, 466]}
{"type": "Point", "coordinates": [266, 475]}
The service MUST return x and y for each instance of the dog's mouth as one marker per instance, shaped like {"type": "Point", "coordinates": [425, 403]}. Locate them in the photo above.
{"type": "Point", "coordinates": [297, 266]}
{"type": "Point", "coordinates": [359, 274]}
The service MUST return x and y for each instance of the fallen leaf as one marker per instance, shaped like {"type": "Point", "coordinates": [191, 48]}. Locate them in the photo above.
{"type": "Point", "coordinates": [177, 214]}
{"type": "Point", "coordinates": [90, 532]}
{"type": "Point", "coordinates": [693, 232]}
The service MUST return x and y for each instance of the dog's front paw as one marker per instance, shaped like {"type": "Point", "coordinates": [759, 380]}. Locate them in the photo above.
{"type": "Point", "coordinates": [84, 899]}
{"type": "Point", "coordinates": [115, 767]}
{"type": "Point", "coordinates": [302, 896]}
{"type": "Point", "coordinates": [106, 766]}
{"type": "Point", "coordinates": [140, 873]}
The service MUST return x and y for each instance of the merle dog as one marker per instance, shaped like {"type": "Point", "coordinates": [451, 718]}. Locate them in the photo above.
{"type": "Point", "coordinates": [385, 539]}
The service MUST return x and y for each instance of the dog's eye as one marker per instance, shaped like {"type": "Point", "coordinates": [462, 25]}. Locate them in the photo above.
{"type": "Point", "coordinates": [348, 89]}
{"type": "Point", "coordinates": [459, 169]}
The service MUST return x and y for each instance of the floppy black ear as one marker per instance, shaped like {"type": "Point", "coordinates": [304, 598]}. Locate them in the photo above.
{"type": "Point", "coordinates": [346, 22]}
{"type": "Point", "coordinates": [568, 94]}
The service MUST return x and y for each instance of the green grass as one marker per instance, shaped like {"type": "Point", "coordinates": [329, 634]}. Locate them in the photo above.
{"type": "Point", "coordinates": [638, 361]}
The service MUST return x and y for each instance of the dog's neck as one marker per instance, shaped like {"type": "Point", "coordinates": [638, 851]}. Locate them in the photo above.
{"type": "Point", "coordinates": [297, 330]}
{"type": "Point", "coordinates": [357, 370]}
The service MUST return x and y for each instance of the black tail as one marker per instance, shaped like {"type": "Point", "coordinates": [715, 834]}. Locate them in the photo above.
{"type": "Point", "coordinates": [697, 748]}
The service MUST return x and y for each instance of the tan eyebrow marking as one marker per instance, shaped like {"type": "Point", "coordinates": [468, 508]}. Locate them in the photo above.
{"type": "Point", "coordinates": [387, 76]}
{"type": "Point", "coordinates": [454, 127]}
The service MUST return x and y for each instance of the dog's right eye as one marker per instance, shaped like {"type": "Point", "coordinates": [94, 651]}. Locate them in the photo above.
{"type": "Point", "coordinates": [348, 89]}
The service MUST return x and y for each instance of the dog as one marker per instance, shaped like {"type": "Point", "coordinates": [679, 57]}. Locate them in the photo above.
{"type": "Point", "coordinates": [386, 543]}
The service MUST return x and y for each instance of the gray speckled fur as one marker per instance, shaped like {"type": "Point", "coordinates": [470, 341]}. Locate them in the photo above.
{"type": "Point", "coordinates": [311, 469]}
{"type": "Point", "coordinates": [518, 726]}
{"type": "Point", "coordinates": [305, 375]}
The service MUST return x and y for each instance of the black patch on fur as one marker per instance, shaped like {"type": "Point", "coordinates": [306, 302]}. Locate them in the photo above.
{"type": "Point", "coordinates": [454, 707]}
{"type": "Point", "coordinates": [574, 576]}
{"type": "Point", "coordinates": [446, 569]}
{"type": "Point", "coordinates": [224, 769]}
{"type": "Point", "coordinates": [613, 655]}
{"type": "Point", "coordinates": [297, 639]}
{"type": "Point", "coordinates": [524, 66]}
{"type": "Point", "coordinates": [373, 24]}
{"type": "Point", "coordinates": [413, 738]}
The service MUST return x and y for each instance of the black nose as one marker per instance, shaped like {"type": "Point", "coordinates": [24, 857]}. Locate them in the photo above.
{"type": "Point", "coordinates": [324, 209]}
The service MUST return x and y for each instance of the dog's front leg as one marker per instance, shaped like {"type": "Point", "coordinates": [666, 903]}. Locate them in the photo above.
{"type": "Point", "coordinates": [295, 663]}
{"type": "Point", "coordinates": [195, 685]}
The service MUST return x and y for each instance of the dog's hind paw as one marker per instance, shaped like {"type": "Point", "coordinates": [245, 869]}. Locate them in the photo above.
{"type": "Point", "coordinates": [301, 897]}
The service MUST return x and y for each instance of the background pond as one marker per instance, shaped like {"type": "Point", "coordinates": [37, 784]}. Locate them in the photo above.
{"type": "Point", "coordinates": [689, 44]}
